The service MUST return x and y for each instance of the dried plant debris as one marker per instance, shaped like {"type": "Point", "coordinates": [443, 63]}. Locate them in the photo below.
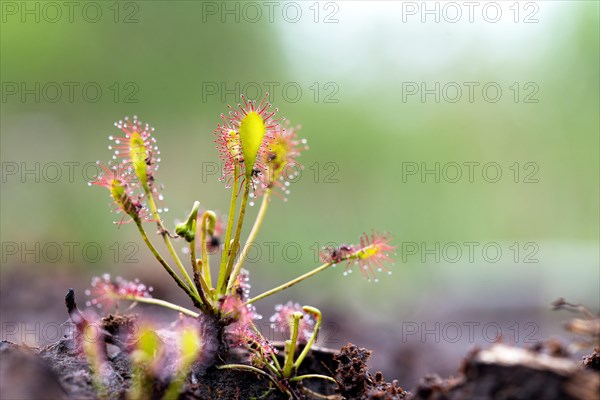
{"type": "Point", "coordinates": [355, 381]}
{"type": "Point", "coordinates": [433, 387]}
{"type": "Point", "coordinates": [587, 328]}
{"type": "Point", "coordinates": [504, 372]}
{"type": "Point", "coordinates": [593, 360]}
{"type": "Point", "coordinates": [552, 347]}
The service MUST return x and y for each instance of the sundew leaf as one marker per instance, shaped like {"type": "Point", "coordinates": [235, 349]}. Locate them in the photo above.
{"type": "Point", "coordinates": [252, 132]}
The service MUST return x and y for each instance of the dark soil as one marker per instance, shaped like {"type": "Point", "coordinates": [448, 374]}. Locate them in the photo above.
{"type": "Point", "coordinates": [59, 371]}
{"type": "Point", "coordinates": [500, 372]}
{"type": "Point", "coordinates": [355, 381]}
{"type": "Point", "coordinates": [25, 375]}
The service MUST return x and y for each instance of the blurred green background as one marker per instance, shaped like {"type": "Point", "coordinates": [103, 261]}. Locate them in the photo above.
{"type": "Point", "coordinates": [343, 71]}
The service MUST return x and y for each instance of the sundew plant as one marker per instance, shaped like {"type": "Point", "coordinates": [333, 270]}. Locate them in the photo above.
{"type": "Point", "coordinates": [257, 149]}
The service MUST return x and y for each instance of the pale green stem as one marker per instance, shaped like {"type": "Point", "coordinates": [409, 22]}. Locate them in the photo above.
{"type": "Point", "coordinates": [252, 236]}
{"type": "Point", "coordinates": [204, 286]}
{"type": "Point", "coordinates": [162, 303]}
{"type": "Point", "coordinates": [205, 258]}
{"type": "Point", "coordinates": [165, 236]}
{"type": "Point", "coordinates": [273, 356]}
{"type": "Point", "coordinates": [194, 262]}
{"type": "Point", "coordinates": [315, 395]}
{"type": "Point", "coordinates": [202, 289]}
{"type": "Point", "coordinates": [311, 376]}
{"type": "Point", "coordinates": [290, 283]}
{"type": "Point", "coordinates": [197, 270]}
{"type": "Point", "coordinates": [244, 367]}
{"type": "Point", "coordinates": [193, 259]}
{"type": "Point", "coordinates": [289, 356]}
{"type": "Point", "coordinates": [272, 367]}
{"type": "Point", "coordinates": [313, 337]}
{"type": "Point", "coordinates": [165, 265]}
{"type": "Point", "coordinates": [230, 221]}
{"type": "Point", "coordinates": [275, 362]}
{"type": "Point", "coordinates": [236, 240]}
